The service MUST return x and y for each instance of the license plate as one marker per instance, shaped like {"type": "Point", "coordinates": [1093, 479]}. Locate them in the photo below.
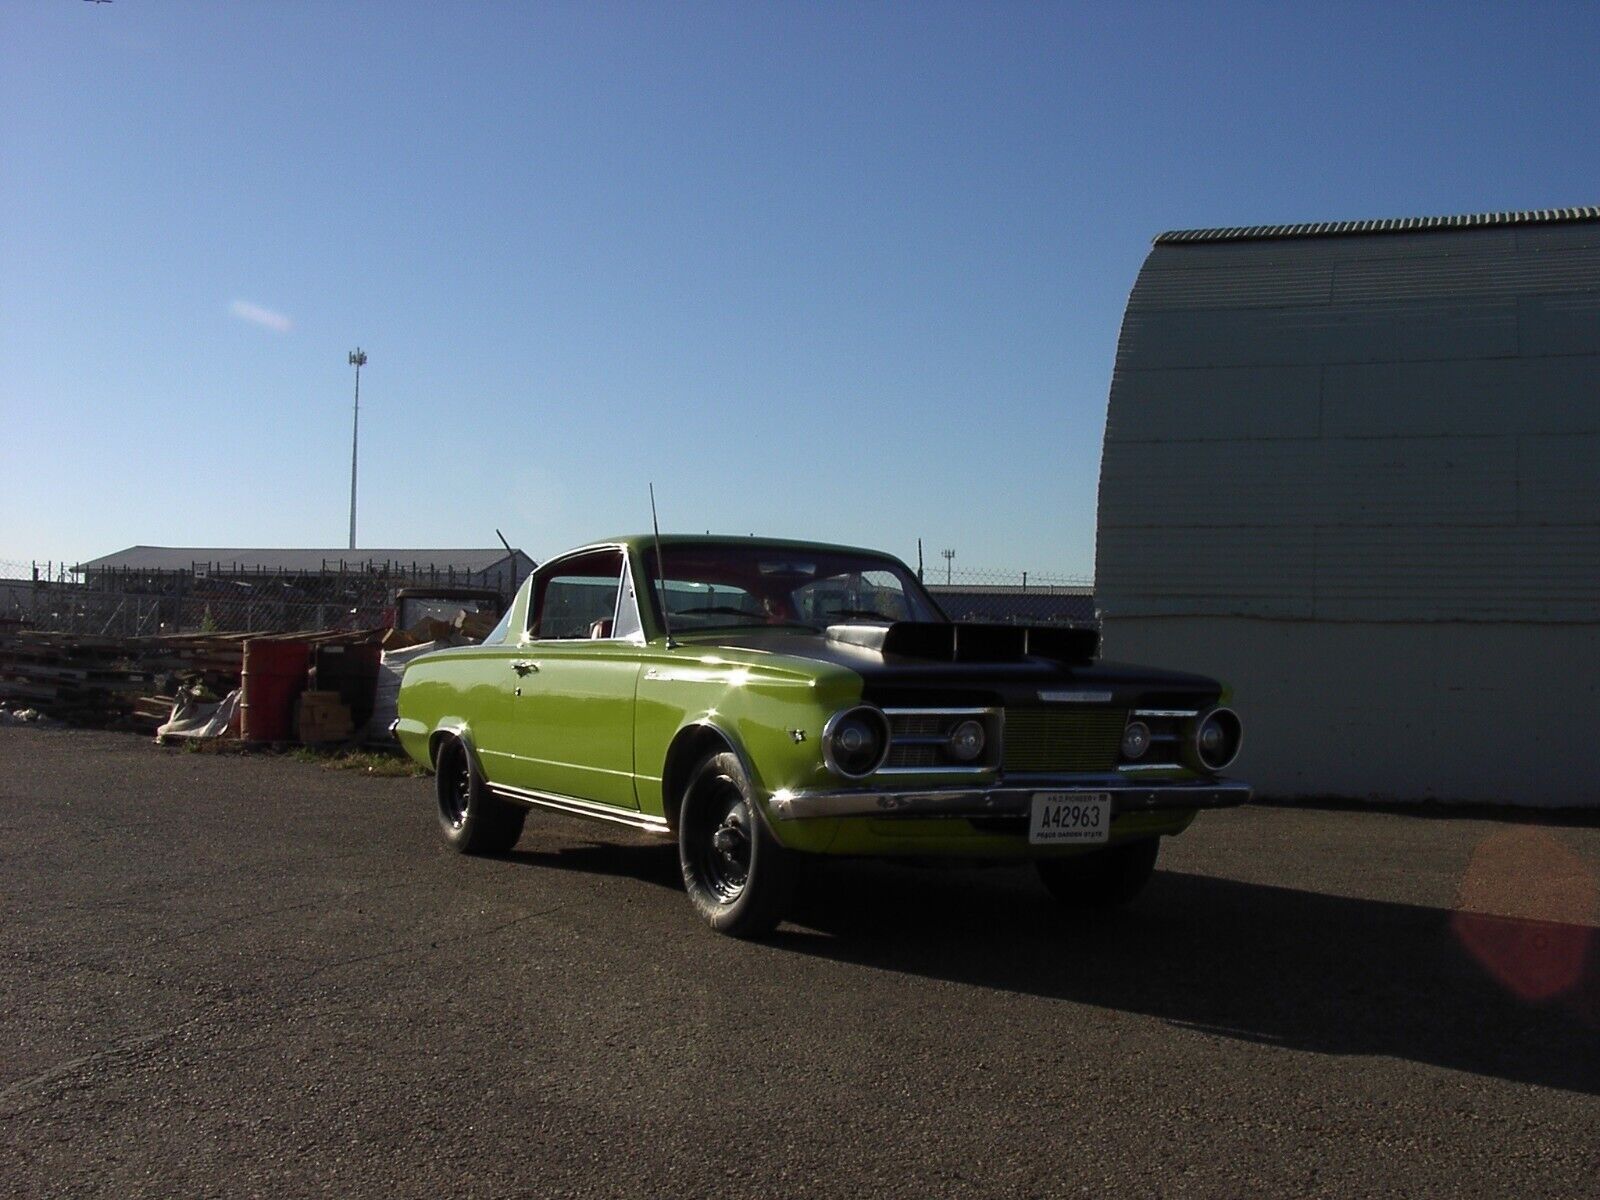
{"type": "Point", "coordinates": [1070, 818]}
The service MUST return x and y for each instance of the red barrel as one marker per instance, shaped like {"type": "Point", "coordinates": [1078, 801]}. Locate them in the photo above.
{"type": "Point", "coordinates": [274, 674]}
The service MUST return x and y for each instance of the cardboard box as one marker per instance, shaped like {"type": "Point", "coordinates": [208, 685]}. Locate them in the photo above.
{"type": "Point", "coordinates": [322, 717]}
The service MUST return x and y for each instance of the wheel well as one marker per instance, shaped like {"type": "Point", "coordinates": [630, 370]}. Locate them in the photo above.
{"type": "Point", "coordinates": [436, 742]}
{"type": "Point", "coordinates": [688, 748]}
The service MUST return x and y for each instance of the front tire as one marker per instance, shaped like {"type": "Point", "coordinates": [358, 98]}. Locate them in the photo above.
{"type": "Point", "coordinates": [472, 819]}
{"type": "Point", "coordinates": [739, 879]}
{"type": "Point", "coordinates": [1107, 878]}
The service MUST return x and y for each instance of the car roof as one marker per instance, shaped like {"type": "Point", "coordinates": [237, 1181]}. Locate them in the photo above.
{"type": "Point", "coordinates": [644, 541]}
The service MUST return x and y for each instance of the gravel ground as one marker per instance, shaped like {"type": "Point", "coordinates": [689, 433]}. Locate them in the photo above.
{"type": "Point", "coordinates": [239, 976]}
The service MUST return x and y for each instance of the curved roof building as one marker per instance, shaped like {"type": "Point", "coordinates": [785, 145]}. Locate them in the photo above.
{"type": "Point", "coordinates": [1354, 469]}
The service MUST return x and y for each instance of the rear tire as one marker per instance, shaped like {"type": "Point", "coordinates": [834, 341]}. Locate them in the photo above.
{"type": "Point", "coordinates": [1106, 878]}
{"type": "Point", "coordinates": [739, 879]}
{"type": "Point", "coordinates": [472, 819]}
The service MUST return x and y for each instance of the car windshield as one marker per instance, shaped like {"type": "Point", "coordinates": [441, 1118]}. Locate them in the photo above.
{"type": "Point", "coordinates": [723, 585]}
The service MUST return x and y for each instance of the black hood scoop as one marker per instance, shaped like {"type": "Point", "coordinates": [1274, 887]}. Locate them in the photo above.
{"type": "Point", "coordinates": [939, 641]}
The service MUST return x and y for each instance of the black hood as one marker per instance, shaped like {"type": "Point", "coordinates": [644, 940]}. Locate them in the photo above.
{"type": "Point", "coordinates": [921, 663]}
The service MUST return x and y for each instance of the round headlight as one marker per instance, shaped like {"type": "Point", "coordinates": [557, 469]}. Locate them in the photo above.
{"type": "Point", "coordinates": [1135, 739]}
{"type": "Point", "coordinates": [966, 741]}
{"type": "Point", "coordinates": [856, 741]}
{"type": "Point", "coordinates": [1217, 738]}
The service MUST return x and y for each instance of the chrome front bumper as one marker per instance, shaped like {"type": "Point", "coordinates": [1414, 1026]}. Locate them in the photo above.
{"type": "Point", "coordinates": [1009, 800]}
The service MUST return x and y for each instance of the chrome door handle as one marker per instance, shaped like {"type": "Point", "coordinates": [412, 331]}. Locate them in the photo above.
{"type": "Point", "coordinates": [524, 666]}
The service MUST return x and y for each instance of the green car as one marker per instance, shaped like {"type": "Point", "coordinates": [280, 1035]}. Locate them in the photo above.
{"type": "Point", "coordinates": [760, 701]}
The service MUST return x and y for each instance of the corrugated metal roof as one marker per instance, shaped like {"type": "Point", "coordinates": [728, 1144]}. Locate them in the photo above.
{"type": "Point", "coordinates": [1248, 233]}
{"type": "Point", "coordinates": [222, 559]}
{"type": "Point", "coordinates": [1391, 428]}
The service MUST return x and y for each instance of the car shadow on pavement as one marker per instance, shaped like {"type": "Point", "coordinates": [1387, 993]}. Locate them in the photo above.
{"type": "Point", "coordinates": [649, 862]}
{"type": "Point", "coordinates": [1518, 1000]}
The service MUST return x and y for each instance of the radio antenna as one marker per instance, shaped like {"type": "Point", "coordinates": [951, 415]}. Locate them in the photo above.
{"type": "Point", "coordinates": [661, 575]}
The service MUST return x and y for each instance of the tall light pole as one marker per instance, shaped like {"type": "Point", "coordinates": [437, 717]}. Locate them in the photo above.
{"type": "Point", "coordinates": [949, 557]}
{"type": "Point", "coordinates": [358, 359]}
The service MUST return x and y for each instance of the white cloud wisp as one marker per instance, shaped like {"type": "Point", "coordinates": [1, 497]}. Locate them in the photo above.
{"type": "Point", "coordinates": [263, 317]}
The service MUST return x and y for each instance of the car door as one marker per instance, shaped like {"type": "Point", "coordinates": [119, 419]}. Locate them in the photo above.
{"type": "Point", "coordinates": [578, 672]}
{"type": "Point", "coordinates": [486, 689]}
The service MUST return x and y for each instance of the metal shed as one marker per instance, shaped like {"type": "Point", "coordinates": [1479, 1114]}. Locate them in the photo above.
{"type": "Point", "coordinates": [1354, 470]}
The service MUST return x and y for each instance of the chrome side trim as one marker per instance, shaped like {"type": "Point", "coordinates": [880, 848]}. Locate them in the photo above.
{"type": "Point", "coordinates": [555, 762]}
{"type": "Point", "coordinates": [1007, 801]}
{"type": "Point", "coordinates": [582, 808]}
{"type": "Point", "coordinates": [1181, 713]}
{"type": "Point", "coordinates": [1152, 767]}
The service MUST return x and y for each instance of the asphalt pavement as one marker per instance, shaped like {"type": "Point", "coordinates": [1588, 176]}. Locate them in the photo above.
{"type": "Point", "coordinates": [226, 975]}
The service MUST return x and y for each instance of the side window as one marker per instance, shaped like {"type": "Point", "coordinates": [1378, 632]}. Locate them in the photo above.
{"type": "Point", "coordinates": [578, 599]}
{"type": "Point", "coordinates": [499, 632]}
{"type": "Point", "coordinates": [627, 626]}
{"type": "Point", "coordinates": [870, 594]}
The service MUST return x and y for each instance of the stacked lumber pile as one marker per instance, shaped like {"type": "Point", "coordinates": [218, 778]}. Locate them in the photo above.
{"type": "Point", "coordinates": [86, 680]}
{"type": "Point", "coordinates": [128, 682]}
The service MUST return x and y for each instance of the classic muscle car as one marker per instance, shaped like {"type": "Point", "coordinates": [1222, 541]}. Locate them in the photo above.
{"type": "Point", "coordinates": [759, 701]}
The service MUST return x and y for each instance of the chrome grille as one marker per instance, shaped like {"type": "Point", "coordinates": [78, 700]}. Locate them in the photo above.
{"type": "Point", "coordinates": [1058, 739]}
{"type": "Point", "coordinates": [930, 724]}
{"type": "Point", "coordinates": [908, 757]}
{"type": "Point", "coordinates": [919, 738]}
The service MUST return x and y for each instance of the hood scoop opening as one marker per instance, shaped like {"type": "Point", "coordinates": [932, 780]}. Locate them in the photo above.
{"type": "Point", "coordinates": [939, 641]}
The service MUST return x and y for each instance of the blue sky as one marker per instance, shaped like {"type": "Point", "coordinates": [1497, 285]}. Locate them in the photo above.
{"type": "Point", "coordinates": [852, 272]}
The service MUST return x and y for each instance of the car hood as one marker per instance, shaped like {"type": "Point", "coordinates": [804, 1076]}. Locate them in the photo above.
{"type": "Point", "coordinates": [1005, 670]}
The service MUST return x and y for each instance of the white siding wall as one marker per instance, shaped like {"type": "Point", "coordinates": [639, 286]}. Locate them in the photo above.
{"type": "Point", "coordinates": [1477, 714]}
{"type": "Point", "coordinates": [1373, 448]}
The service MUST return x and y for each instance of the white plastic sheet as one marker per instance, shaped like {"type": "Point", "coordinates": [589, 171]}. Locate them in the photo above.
{"type": "Point", "coordinates": [193, 719]}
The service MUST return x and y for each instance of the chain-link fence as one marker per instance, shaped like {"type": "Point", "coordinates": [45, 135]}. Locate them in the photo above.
{"type": "Point", "coordinates": [67, 608]}
{"type": "Point", "coordinates": [51, 601]}
{"type": "Point", "coordinates": [964, 577]}
{"type": "Point", "coordinates": [55, 604]}
{"type": "Point", "coordinates": [1013, 597]}
{"type": "Point", "coordinates": [38, 570]}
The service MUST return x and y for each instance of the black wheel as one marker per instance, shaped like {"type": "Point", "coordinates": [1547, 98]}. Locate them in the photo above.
{"type": "Point", "coordinates": [473, 820]}
{"type": "Point", "coordinates": [737, 876]}
{"type": "Point", "coordinates": [1101, 878]}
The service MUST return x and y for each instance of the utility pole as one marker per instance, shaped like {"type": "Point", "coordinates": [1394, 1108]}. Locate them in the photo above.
{"type": "Point", "coordinates": [948, 556]}
{"type": "Point", "coordinates": [358, 359]}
